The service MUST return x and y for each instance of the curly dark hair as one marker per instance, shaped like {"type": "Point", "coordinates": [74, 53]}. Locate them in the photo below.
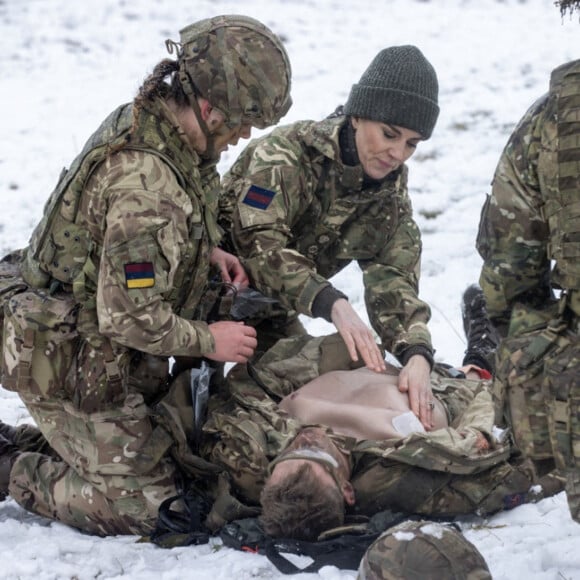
{"type": "Point", "coordinates": [300, 506]}
{"type": "Point", "coordinates": [156, 86]}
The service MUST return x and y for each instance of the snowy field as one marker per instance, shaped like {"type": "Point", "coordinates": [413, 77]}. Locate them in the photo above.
{"type": "Point", "coordinates": [65, 65]}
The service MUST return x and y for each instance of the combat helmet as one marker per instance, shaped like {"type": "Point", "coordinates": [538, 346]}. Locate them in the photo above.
{"type": "Point", "coordinates": [239, 65]}
{"type": "Point", "coordinates": [420, 550]}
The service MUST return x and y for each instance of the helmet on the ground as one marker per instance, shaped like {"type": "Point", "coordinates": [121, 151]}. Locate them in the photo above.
{"type": "Point", "coordinates": [239, 65]}
{"type": "Point", "coordinates": [422, 551]}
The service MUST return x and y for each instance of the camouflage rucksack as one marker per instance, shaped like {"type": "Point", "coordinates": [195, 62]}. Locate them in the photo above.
{"type": "Point", "coordinates": [536, 385]}
{"type": "Point", "coordinates": [38, 326]}
{"type": "Point", "coordinates": [11, 283]}
{"type": "Point", "coordinates": [538, 392]}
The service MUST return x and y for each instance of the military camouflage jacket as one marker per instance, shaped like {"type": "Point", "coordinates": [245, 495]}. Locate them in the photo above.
{"type": "Point", "coordinates": [297, 215]}
{"type": "Point", "coordinates": [129, 230]}
{"type": "Point", "coordinates": [246, 430]}
{"type": "Point", "coordinates": [530, 219]}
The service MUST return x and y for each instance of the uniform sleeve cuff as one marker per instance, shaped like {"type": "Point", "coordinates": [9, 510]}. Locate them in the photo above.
{"type": "Point", "coordinates": [410, 351]}
{"type": "Point", "coordinates": [325, 299]}
{"type": "Point", "coordinates": [205, 340]}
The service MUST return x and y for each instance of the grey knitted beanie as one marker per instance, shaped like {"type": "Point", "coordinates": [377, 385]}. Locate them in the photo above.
{"type": "Point", "coordinates": [400, 88]}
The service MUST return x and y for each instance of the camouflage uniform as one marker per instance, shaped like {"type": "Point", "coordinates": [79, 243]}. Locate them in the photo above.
{"type": "Point", "coordinates": [116, 272]}
{"type": "Point", "coordinates": [297, 215]}
{"type": "Point", "coordinates": [436, 473]}
{"type": "Point", "coordinates": [530, 217]}
{"type": "Point", "coordinates": [529, 240]}
{"type": "Point", "coordinates": [89, 355]}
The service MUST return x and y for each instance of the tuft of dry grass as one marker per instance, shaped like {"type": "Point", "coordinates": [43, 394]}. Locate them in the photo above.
{"type": "Point", "coordinates": [568, 6]}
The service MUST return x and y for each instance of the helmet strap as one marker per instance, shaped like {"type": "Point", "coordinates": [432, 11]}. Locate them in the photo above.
{"type": "Point", "coordinates": [192, 94]}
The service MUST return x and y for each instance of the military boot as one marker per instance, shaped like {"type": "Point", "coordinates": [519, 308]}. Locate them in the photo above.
{"type": "Point", "coordinates": [482, 337]}
{"type": "Point", "coordinates": [8, 431]}
{"type": "Point", "coordinates": [8, 454]}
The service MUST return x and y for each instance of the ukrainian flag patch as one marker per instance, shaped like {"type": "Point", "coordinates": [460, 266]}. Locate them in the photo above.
{"type": "Point", "coordinates": [258, 197]}
{"type": "Point", "coordinates": [139, 275]}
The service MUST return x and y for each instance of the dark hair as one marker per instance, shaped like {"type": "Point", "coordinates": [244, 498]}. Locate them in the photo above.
{"type": "Point", "coordinates": [155, 86]}
{"type": "Point", "coordinates": [300, 506]}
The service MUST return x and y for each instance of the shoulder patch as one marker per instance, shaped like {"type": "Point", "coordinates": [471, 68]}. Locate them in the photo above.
{"type": "Point", "coordinates": [139, 275]}
{"type": "Point", "coordinates": [258, 197]}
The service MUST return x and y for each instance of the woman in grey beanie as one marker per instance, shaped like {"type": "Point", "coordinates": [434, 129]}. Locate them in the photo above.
{"type": "Point", "coordinates": [304, 201]}
{"type": "Point", "coordinates": [398, 88]}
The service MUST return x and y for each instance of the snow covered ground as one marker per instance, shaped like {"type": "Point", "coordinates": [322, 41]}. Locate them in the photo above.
{"type": "Point", "coordinates": [64, 65]}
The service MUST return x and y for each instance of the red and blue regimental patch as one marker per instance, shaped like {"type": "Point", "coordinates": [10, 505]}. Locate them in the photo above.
{"type": "Point", "coordinates": [258, 197]}
{"type": "Point", "coordinates": [139, 275]}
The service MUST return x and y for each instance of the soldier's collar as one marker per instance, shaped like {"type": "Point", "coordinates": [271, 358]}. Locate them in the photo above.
{"type": "Point", "coordinates": [347, 143]}
{"type": "Point", "coordinates": [171, 118]}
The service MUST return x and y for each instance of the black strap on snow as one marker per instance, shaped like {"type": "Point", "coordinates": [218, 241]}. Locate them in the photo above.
{"type": "Point", "coordinates": [344, 550]}
{"type": "Point", "coordinates": [181, 527]}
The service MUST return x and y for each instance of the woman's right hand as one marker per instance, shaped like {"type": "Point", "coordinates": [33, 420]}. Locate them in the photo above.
{"type": "Point", "coordinates": [234, 342]}
{"type": "Point", "coordinates": [357, 336]}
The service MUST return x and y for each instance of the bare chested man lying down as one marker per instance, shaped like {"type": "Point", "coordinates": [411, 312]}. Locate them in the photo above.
{"type": "Point", "coordinates": [317, 474]}
{"type": "Point", "coordinates": [365, 405]}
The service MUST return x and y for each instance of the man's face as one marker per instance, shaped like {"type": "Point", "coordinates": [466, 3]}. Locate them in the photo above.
{"type": "Point", "coordinates": [314, 448]}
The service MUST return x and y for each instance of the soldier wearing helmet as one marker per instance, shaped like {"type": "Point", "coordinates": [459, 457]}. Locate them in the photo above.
{"type": "Point", "coordinates": [115, 273]}
{"type": "Point", "coordinates": [229, 61]}
{"type": "Point", "coordinates": [420, 550]}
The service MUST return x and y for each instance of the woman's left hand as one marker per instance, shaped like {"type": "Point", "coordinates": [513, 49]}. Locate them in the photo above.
{"type": "Point", "coordinates": [230, 268]}
{"type": "Point", "coordinates": [415, 380]}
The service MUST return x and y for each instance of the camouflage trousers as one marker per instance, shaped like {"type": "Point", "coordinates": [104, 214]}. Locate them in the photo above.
{"type": "Point", "coordinates": [110, 467]}
{"type": "Point", "coordinates": [101, 479]}
{"type": "Point", "coordinates": [537, 386]}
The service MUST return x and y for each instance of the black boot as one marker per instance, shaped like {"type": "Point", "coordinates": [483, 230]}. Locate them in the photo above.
{"type": "Point", "coordinates": [482, 337]}
{"type": "Point", "coordinates": [8, 431]}
{"type": "Point", "coordinates": [8, 454]}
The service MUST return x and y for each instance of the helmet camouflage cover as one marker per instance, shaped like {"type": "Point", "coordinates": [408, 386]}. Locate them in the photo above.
{"type": "Point", "coordinates": [422, 551]}
{"type": "Point", "coordinates": [240, 66]}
